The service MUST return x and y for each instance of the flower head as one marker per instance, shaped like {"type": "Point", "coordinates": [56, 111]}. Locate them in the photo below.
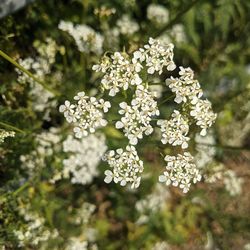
{"type": "Point", "coordinates": [175, 130]}
{"type": "Point", "coordinates": [137, 116]}
{"type": "Point", "coordinates": [180, 171]}
{"type": "Point", "coordinates": [126, 166]}
{"type": "Point", "coordinates": [86, 114]}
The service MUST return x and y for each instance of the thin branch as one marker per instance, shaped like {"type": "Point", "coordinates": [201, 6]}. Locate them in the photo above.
{"type": "Point", "coordinates": [9, 59]}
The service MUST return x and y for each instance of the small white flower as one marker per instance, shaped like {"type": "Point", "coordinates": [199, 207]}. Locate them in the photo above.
{"type": "Point", "coordinates": [157, 14]}
{"type": "Point", "coordinates": [127, 26]}
{"type": "Point", "coordinates": [137, 116]}
{"type": "Point", "coordinates": [185, 87]}
{"type": "Point", "coordinates": [156, 56]}
{"type": "Point", "coordinates": [86, 115]}
{"type": "Point", "coordinates": [119, 72]}
{"type": "Point", "coordinates": [125, 165]}
{"type": "Point", "coordinates": [86, 39]}
{"type": "Point", "coordinates": [203, 114]}
{"type": "Point", "coordinates": [109, 176]}
{"type": "Point", "coordinates": [83, 158]}
{"type": "Point", "coordinates": [181, 171]}
{"type": "Point", "coordinates": [233, 184]}
{"type": "Point", "coordinates": [119, 125]}
{"type": "Point", "coordinates": [175, 130]}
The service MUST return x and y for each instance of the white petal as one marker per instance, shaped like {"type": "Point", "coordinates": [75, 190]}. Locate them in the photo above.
{"type": "Point", "coordinates": [133, 140]}
{"type": "Point", "coordinates": [112, 92]}
{"type": "Point", "coordinates": [162, 178]}
{"type": "Point", "coordinates": [108, 172]}
{"type": "Point", "coordinates": [203, 132]}
{"type": "Point", "coordinates": [62, 108]}
{"type": "Point", "coordinates": [193, 113]}
{"type": "Point", "coordinates": [178, 99]}
{"type": "Point", "coordinates": [123, 105]}
{"type": "Point", "coordinates": [184, 145]}
{"type": "Point", "coordinates": [123, 183]}
{"type": "Point", "coordinates": [171, 67]}
{"type": "Point", "coordinates": [151, 70]}
{"type": "Point", "coordinates": [103, 122]}
{"type": "Point", "coordinates": [108, 179]}
{"type": "Point", "coordinates": [119, 125]}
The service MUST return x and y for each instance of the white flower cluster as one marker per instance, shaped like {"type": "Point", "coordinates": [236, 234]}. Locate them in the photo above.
{"type": "Point", "coordinates": [161, 245]}
{"type": "Point", "coordinates": [46, 146]}
{"type": "Point", "coordinates": [46, 51]}
{"type": "Point", "coordinates": [80, 243]}
{"type": "Point", "coordinates": [181, 171]}
{"type": "Point", "coordinates": [125, 165]}
{"type": "Point", "coordinates": [86, 114]}
{"type": "Point", "coordinates": [215, 172]}
{"type": "Point", "coordinates": [178, 33]}
{"type": "Point", "coordinates": [40, 67]}
{"type": "Point", "coordinates": [137, 117]}
{"type": "Point", "coordinates": [156, 56]}
{"type": "Point", "coordinates": [153, 202]}
{"type": "Point", "coordinates": [84, 157]}
{"type": "Point", "coordinates": [86, 39]}
{"type": "Point", "coordinates": [175, 130]}
{"type": "Point", "coordinates": [127, 26]}
{"type": "Point", "coordinates": [82, 218]}
{"type": "Point", "coordinates": [157, 14]}
{"type": "Point", "coordinates": [247, 246]}
{"type": "Point", "coordinates": [86, 240]}
{"type": "Point", "coordinates": [119, 72]}
{"type": "Point", "coordinates": [122, 72]}
{"type": "Point", "coordinates": [84, 213]}
{"type": "Point", "coordinates": [203, 114]}
{"type": "Point", "coordinates": [35, 230]}
{"type": "Point", "coordinates": [76, 244]}
{"type": "Point", "coordinates": [232, 183]}
{"type": "Point", "coordinates": [4, 134]}
{"type": "Point", "coordinates": [187, 89]}
{"type": "Point", "coordinates": [205, 152]}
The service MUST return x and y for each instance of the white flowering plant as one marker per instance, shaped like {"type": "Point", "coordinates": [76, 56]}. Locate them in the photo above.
{"type": "Point", "coordinates": [124, 125]}
{"type": "Point", "coordinates": [131, 74]}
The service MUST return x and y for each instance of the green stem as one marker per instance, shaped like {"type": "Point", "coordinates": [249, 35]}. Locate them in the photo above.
{"type": "Point", "coordinates": [20, 189]}
{"type": "Point", "coordinates": [9, 59]}
{"type": "Point", "coordinates": [176, 19]}
{"type": "Point", "coordinates": [11, 127]}
{"type": "Point", "coordinates": [167, 99]}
